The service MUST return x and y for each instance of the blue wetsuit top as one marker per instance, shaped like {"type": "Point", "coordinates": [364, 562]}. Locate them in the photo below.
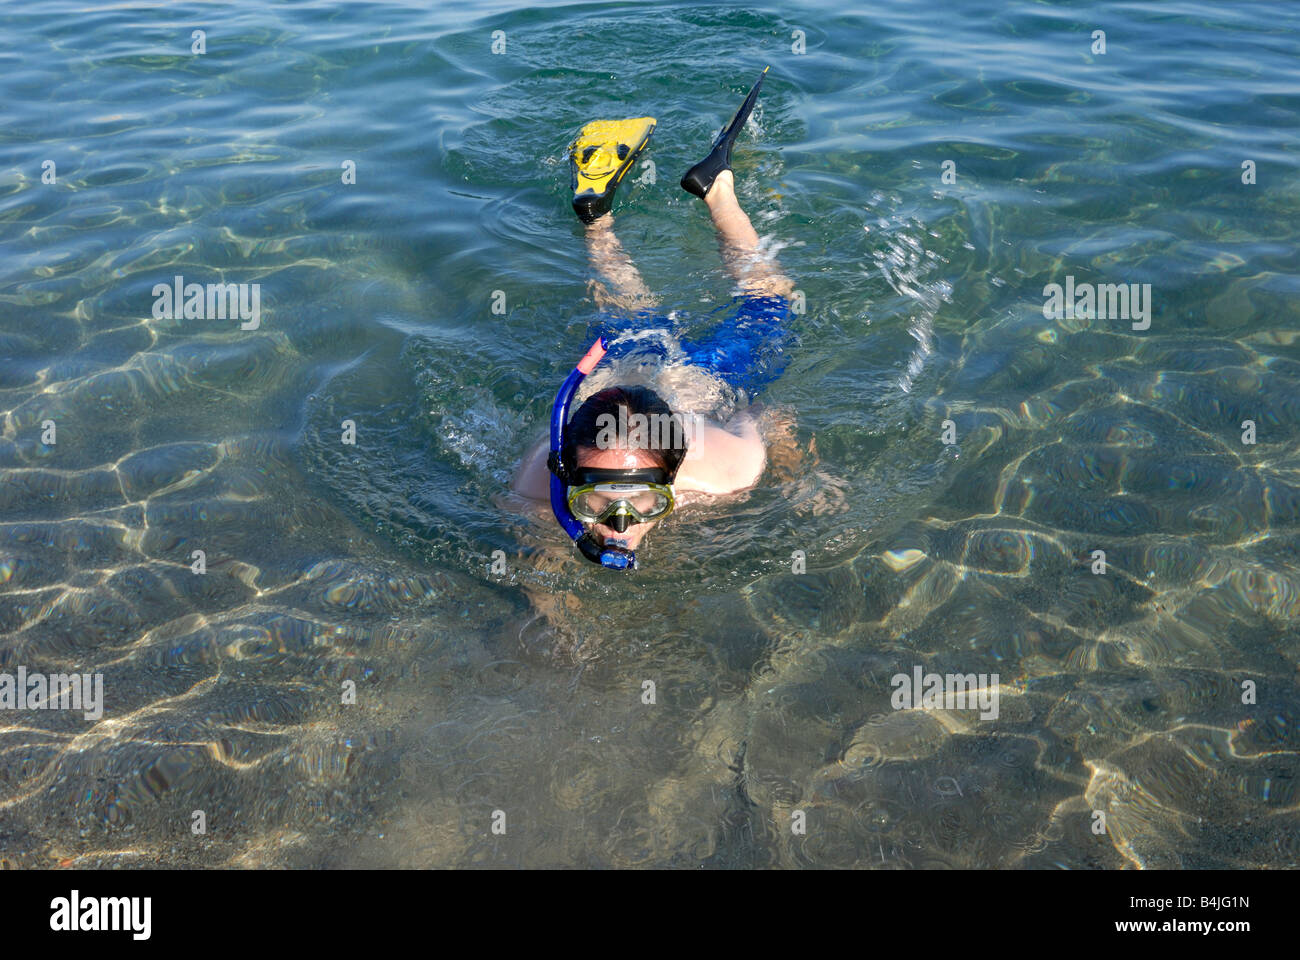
{"type": "Point", "coordinates": [747, 351]}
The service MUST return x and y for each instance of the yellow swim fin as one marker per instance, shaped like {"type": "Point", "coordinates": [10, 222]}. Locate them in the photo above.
{"type": "Point", "coordinates": [598, 158]}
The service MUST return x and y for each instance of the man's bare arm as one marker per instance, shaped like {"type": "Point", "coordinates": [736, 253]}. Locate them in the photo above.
{"type": "Point", "coordinates": [532, 479]}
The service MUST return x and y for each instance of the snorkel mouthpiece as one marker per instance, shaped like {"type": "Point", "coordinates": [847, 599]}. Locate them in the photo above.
{"type": "Point", "coordinates": [610, 556]}
{"type": "Point", "coordinates": [614, 555]}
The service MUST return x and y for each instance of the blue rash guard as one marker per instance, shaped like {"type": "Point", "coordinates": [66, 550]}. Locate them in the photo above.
{"type": "Point", "coordinates": [747, 351]}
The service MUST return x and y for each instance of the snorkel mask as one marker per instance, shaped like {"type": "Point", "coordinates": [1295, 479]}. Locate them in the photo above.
{"type": "Point", "coordinates": [620, 498]}
{"type": "Point", "coordinates": [616, 497]}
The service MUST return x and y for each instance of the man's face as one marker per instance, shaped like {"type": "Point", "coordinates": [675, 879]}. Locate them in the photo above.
{"type": "Point", "coordinates": [617, 459]}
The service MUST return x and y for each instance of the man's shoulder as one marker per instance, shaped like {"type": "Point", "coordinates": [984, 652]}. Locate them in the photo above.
{"type": "Point", "coordinates": [719, 461]}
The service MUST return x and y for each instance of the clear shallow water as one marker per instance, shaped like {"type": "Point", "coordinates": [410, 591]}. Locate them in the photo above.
{"type": "Point", "coordinates": [522, 692]}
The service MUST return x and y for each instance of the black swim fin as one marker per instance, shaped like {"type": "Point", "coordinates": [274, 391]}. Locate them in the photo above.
{"type": "Point", "coordinates": [700, 177]}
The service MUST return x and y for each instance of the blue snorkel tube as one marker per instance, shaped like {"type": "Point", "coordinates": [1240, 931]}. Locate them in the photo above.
{"type": "Point", "coordinates": [612, 558]}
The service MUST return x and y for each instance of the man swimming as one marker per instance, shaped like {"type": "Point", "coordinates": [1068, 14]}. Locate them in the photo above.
{"type": "Point", "coordinates": [608, 485]}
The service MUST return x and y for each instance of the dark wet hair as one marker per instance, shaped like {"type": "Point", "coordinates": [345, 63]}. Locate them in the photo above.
{"type": "Point", "coordinates": [581, 433]}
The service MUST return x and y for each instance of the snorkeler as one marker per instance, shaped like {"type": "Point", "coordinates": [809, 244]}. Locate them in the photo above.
{"type": "Point", "coordinates": [608, 489]}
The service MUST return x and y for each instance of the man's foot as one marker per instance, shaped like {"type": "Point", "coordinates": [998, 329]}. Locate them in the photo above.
{"type": "Point", "coordinates": [700, 177]}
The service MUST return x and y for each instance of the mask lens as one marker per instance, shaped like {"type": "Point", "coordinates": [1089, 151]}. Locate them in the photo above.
{"type": "Point", "coordinates": [590, 504]}
{"type": "Point", "coordinates": [650, 504]}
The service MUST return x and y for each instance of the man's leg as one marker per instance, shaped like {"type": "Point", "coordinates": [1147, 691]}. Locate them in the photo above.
{"type": "Point", "coordinates": [622, 288]}
{"type": "Point", "coordinates": [755, 275]}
